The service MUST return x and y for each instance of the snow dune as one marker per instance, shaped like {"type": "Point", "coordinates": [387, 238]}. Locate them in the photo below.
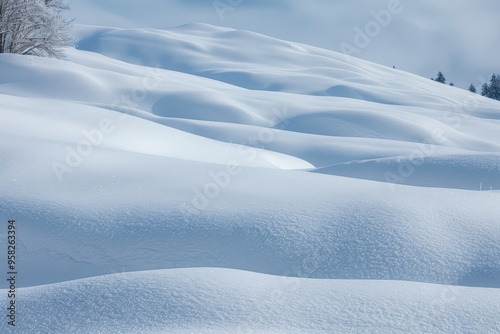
{"type": "Point", "coordinates": [85, 124]}
{"type": "Point", "coordinates": [202, 179]}
{"type": "Point", "coordinates": [242, 302]}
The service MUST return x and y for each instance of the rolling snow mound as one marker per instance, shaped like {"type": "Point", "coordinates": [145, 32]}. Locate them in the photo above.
{"type": "Point", "coordinates": [203, 179]}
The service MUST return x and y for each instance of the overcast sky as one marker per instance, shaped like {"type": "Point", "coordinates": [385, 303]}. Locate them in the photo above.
{"type": "Point", "coordinates": [460, 38]}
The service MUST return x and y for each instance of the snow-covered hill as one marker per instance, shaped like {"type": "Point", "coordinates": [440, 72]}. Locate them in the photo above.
{"type": "Point", "coordinates": [203, 179]}
{"type": "Point", "coordinates": [422, 37]}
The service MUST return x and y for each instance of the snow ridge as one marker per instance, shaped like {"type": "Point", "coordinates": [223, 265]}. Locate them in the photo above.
{"type": "Point", "coordinates": [204, 179]}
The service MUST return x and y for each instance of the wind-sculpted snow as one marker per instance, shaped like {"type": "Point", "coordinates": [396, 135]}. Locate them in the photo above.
{"type": "Point", "coordinates": [199, 161]}
{"type": "Point", "coordinates": [259, 62]}
{"type": "Point", "coordinates": [208, 300]}
{"type": "Point", "coordinates": [294, 224]}
{"type": "Point", "coordinates": [473, 171]}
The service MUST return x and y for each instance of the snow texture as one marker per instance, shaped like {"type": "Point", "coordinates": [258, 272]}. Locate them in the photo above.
{"type": "Point", "coordinates": [204, 179]}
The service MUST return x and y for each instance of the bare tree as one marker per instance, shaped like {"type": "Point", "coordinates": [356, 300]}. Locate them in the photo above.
{"type": "Point", "coordinates": [35, 27]}
{"type": "Point", "coordinates": [57, 4]}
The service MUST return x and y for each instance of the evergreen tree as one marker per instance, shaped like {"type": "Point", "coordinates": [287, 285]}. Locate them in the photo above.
{"type": "Point", "coordinates": [440, 78]}
{"type": "Point", "coordinates": [485, 90]}
{"type": "Point", "coordinates": [494, 88]}
{"type": "Point", "coordinates": [472, 88]}
{"type": "Point", "coordinates": [452, 84]}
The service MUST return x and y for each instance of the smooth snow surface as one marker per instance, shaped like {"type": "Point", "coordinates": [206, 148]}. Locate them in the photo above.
{"type": "Point", "coordinates": [458, 38]}
{"type": "Point", "coordinates": [203, 179]}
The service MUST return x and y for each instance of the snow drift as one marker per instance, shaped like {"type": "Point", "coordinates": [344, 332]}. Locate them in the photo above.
{"type": "Point", "coordinates": [205, 179]}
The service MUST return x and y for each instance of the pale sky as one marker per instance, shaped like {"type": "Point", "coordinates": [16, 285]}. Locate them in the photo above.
{"type": "Point", "coordinates": [460, 38]}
